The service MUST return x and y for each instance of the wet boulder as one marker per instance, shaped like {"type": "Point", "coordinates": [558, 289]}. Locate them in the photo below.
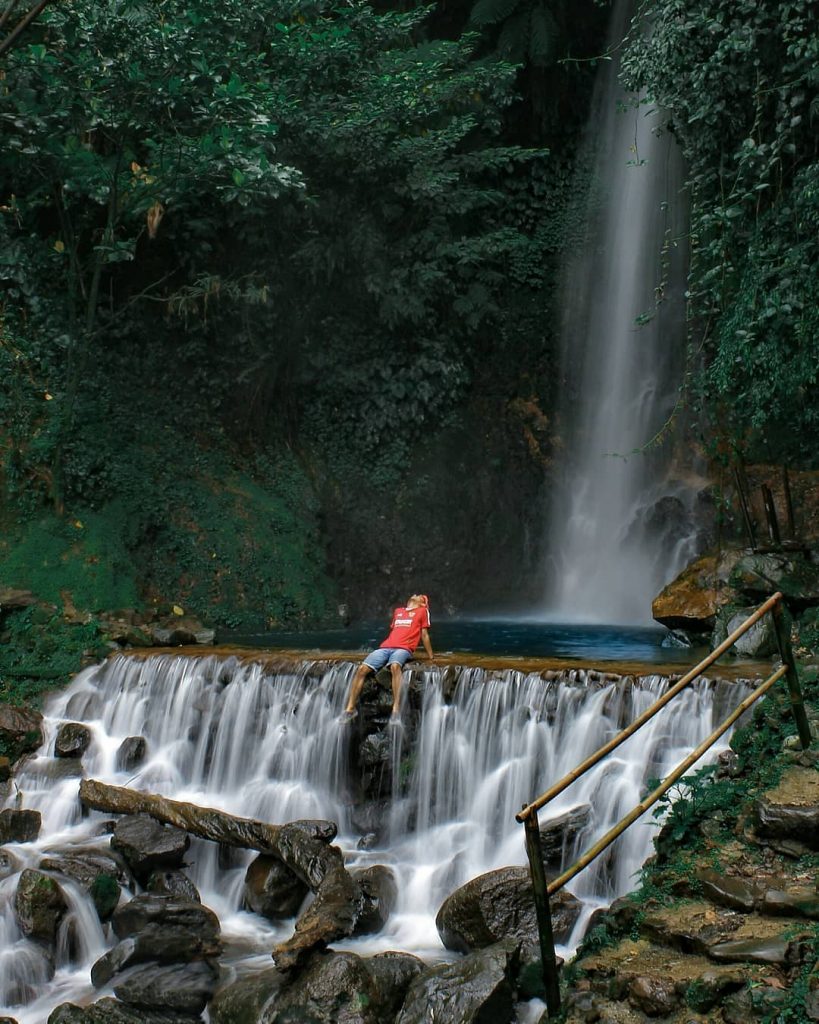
{"type": "Point", "coordinates": [19, 826]}
{"type": "Point", "coordinates": [557, 836]}
{"type": "Point", "coordinates": [40, 905]}
{"type": "Point", "coordinates": [272, 889]}
{"type": "Point", "coordinates": [475, 990]}
{"type": "Point", "coordinates": [186, 988]}
{"type": "Point", "coordinates": [691, 601]}
{"type": "Point", "coordinates": [165, 929]}
{"type": "Point", "coordinates": [112, 1011]}
{"type": "Point", "coordinates": [21, 730]}
{"type": "Point", "coordinates": [244, 1000]}
{"type": "Point", "coordinates": [5, 769]}
{"type": "Point", "coordinates": [758, 642]}
{"type": "Point", "coordinates": [166, 882]}
{"type": "Point", "coordinates": [380, 891]}
{"type": "Point", "coordinates": [370, 818]}
{"type": "Point", "coordinates": [188, 930]}
{"type": "Point", "coordinates": [131, 753]}
{"type": "Point", "coordinates": [181, 631]}
{"type": "Point", "coordinates": [146, 844]}
{"type": "Point", "coordinates": [72, 740]}
{"type": "Point", "coordinates": [497, 905]}
{"type": "Point", "coordinates": [97, 873]}
{"type": "Point", "coordinates": [760, 574]}
{"type": "Point", "coordinates": [392, 974]}
{"type": "Point", "coordinates": [9, 864]}
{"type": "Point", "coordinates": [791, 809]}
{"type": "Point", "coordinates": [333, 987]}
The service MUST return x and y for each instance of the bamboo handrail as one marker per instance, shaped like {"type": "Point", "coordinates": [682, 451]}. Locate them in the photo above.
{"type": "Point", "coordinates": [638, 722]}
{"type": "Point", "coordinates": [665, 785]}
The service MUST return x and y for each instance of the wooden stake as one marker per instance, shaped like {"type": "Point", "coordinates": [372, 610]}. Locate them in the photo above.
{"type": "Point", "coordinates": [543, 914]}
{"type": "Point", "coordinates": [770, 515]}
{"type": "Point", "coordinates": [744, 506]}
{"type": "Point", "coordinates": [786, 490]}
{"type": "Point", "coordinates": [783, 642]}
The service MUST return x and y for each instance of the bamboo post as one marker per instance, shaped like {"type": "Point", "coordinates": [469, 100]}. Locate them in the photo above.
{"type": "Point", "coordinates": [783, 642]}
{"type": "Point", "coordinates": [744, 508]}
{"type": "Point", "coordinates": [543, 914]}
{"type": "Point", "coordinates": [664, 786]}
{"type": "Point", "coordinates": [770, 516]}
{"type": "Point", "coordinates": [649, 713]}
{"type": "Point", "coordinates": [786, 490]}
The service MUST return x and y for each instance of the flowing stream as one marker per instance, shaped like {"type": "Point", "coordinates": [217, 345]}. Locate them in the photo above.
{"type": "Point", "coordinates": [267, 743]}
{"type": "Point", "coordinates": [621, 523]}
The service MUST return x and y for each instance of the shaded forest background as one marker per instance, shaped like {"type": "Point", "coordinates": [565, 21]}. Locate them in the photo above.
{"type": "Point", "coordinates": [278, 286]}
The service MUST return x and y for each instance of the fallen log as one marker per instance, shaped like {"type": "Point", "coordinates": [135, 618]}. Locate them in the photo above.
{"type": "Point", "coordinates": [303, 847]}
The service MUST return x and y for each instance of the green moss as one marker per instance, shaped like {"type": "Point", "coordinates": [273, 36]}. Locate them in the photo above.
{"type": "Point", "coordinates": [38, 657]}
{"type": "Point", "coordinates": [82, 558]}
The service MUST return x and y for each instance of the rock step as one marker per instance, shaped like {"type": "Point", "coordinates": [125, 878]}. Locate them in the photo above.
{"type": "Point", "coordinates": [654, 981]}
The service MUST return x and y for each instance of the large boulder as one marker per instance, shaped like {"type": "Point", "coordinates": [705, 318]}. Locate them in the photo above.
{"type": "Point", "coordinates": [392, 974]}
{"type": "Point", "coordinates": [333, 988]}
{"type": "Point", "coordinates": [166, 882]}
{"type": "Point", "coordinates": [171, 916]}
{"type": "Point", "coordinates": [146, 844]}
{"type": "Point", "coordinates": [759, 575]}
{"type": "Point", "coordinates": [244, 1000]}
{"type": "Point", "coordinates": [112, 1011]}
{"type": "Point", "coordinates": [21, 730]}
{"type": "Point", "coordinates": [165, 929]}
{"type": "Point", "coordinates": [131, 753]}
{"type": "Point", "coordinates": [478, 989]}
{"type": "Point", "coordinates": [186, 988]}
{"type": "Point", "coordinates": [691, 601]}
{"type": "Point", "coordinates": [181, 631]}
{"type": "Point", "coordinates": [380, 891]}
{"type": "Point", "coordinates": [19, 826]}
{"type": "Point", "coordinates": [499, 905]}
{"type": "Point", "coordinates": [272, 889]}
{"type": "Point", "coordinates": [73, 739]}
{"type": "Point", "coordinates": [558, 835]}
{"type": "Point", "coordinates": [40, 905]}
{"type": "Point", "coordinates": [791, 809]}
{"type": "Point", "coordinates": [758, 642]}
{"type": "Point", "coordinates": [98, 873]}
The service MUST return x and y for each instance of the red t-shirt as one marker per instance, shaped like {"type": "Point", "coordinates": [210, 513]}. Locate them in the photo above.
{"type": "Point", "coordinates": [406, 626]}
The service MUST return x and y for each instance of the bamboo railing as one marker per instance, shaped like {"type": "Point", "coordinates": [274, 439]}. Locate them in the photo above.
{"type": "Point", "coordinates": [529, 814]}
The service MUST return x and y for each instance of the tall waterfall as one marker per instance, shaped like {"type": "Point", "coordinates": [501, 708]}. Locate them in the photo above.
{"type": "Point", "coordinates": [619, 528]}
{"type": "Point", "coordinates": [268, 743]}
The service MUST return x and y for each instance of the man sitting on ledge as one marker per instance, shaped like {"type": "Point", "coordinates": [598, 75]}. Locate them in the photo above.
{"type": "Point", "coordinates": [409, 625]}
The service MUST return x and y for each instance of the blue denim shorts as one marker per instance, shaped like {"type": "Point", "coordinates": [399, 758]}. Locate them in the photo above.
{"type": "Point", "coordinates": [387, 656]}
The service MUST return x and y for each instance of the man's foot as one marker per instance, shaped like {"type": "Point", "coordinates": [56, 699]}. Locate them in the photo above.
{"type": "Point", "coordinates": [348, 716]}
{"type": "Point", "coordinates": [395, 719]}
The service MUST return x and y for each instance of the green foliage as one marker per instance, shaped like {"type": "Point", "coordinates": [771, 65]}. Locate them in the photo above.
{"type": "Point", "coordinates": [84, 559]}
{"type": "Point", "coordinates": [39, 653]}
{"type": "Point", "coordinates": [740, 82]}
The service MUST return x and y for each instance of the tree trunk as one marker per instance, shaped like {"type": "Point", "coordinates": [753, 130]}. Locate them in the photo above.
{"type": "Point", "coordinates": [332, 914]}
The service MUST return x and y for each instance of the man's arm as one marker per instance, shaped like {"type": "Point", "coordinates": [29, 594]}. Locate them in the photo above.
{"type": "Point", "coordinates": [425, 641]}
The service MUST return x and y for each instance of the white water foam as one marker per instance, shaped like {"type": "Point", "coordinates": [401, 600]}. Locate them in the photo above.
{"type": "Point", "coordinates": [268, 744]}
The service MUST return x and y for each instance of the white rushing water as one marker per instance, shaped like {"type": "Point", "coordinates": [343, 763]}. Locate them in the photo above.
{"type": "Point", "coordinates": [621, 525]}
{"type": "Point", "coordinates": [269, 744]}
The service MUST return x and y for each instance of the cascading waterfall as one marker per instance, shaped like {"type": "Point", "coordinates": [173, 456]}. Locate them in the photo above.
{"type": "Point", "coordinates": [620, 528]}
{"type": "Point", "coordinates": [268, 743]}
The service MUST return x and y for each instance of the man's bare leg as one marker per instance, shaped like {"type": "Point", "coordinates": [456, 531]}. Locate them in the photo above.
{"type": "Point", "coordinates": [397, 672]}
{"type": "Point", "coordinates": [356, 687]}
